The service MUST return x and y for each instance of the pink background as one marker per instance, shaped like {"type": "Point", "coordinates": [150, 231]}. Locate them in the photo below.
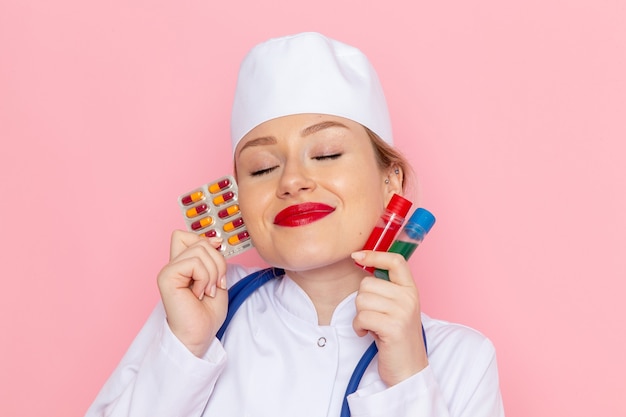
{"type": "Point", "coordinates": [513, 115]}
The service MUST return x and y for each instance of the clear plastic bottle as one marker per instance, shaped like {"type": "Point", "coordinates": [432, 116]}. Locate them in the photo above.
{"type": "Point", "coordinates": [388, 226]}
{"type": "Point", "coordinates": [411, 236]}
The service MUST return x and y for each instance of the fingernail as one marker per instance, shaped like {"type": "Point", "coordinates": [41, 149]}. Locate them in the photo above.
{"type": "Point", "coordinates": [223, 283]}
{"type": "Point", "coordinates": [357, 256]}
{"type": "Point", "coordinates": [216, 242]}
{"type": "Point", "coordinates": [201, 296]}
{"type": "Point", "coordinates": [213, 291]}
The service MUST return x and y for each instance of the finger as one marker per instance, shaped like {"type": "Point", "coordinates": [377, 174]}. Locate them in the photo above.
{"type": "Point", "coordinates": [215, 262]}
{"type": "Point", "coordinates": [387, 327]}
{"type": "Point", "coordinates": [379, 287]}
{"type": "Point", "coordinates": [359, 327]}
{"type": "Point", "coordinates": [219, 262]}
{"type": "Point", "coordinates": [190, 273]}
{"type": "Point", "coordinates": [201, 246]}
{"type": "Point", "coordinates": [376, 301]}
{"type": "Point", "coordinates": [367, 321]}
{"type": "Point", "coordinates": [219, 295]}
{"type": "Point", "coordinates": [378, 313]}
{"type": "Point", "coordinates": [387, 297]}
{"type": "Point", "coordinates": [399, 271]}
{"type": "Point", "coordinates": [181, 240]}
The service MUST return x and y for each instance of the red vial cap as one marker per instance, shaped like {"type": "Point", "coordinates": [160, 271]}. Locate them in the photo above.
{"type": "Point", "coordinates": [399, 205]}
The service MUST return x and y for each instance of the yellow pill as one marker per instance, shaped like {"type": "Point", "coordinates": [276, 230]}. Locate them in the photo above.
{"type": "Point", "coordinates": [219, 186]}
{"type": "Point", "coordinates": [233, 225]}
{"type": "Point", "coordinates": [202, 223]}
{"type": "Point", "coordinates": [222, 198]}
{"type": "Point", "coordinates": [228, 211]}
{"type": "Point", "coordinates": [195, 211]}
{"type": "Point", "coordinates": [238, 238]}
{"type": "Point", "coordinates": [192, 198]}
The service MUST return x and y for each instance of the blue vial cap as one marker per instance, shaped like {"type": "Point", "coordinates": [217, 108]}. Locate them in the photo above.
{"type": "Point", "coordinates": [420, 223]}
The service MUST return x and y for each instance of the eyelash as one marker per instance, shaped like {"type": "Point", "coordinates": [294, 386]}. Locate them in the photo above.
{"type": "Point", "coordinates": [323, 157]}
{"type": "Point", "coordinates": [265, 171]}
{"type": "Point", "coordinates": [262, 171]}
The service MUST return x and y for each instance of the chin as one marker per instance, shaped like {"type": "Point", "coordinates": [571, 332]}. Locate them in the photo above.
{"type": "Point", "coordinates": [304, 260]}
{"type": "Point", "coordinates": [304, 249]}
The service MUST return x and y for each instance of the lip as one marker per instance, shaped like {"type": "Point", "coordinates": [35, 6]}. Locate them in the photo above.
{"type": "Point", "coordinates": [302, 214]}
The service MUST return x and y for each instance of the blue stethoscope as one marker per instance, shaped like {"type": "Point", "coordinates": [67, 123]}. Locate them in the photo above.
{"type": "Point", "coordinates": [239, 292]}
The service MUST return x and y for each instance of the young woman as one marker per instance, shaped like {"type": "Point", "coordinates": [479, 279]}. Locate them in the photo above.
{"type": "Point", "coordinates": [315, 165]}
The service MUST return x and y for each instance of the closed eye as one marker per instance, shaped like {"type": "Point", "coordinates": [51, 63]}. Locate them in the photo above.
{"type": "Point", "coordinates": [263, 171]}
{"type": "Point", "coordinates": [325, 157]}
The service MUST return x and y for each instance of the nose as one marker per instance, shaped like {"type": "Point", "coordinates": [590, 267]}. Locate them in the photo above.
{"type": "Point", "coordinates": [293, 180]}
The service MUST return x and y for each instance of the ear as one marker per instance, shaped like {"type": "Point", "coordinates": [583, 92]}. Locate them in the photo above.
{"type": "Point", "coordinates": [395, 175]}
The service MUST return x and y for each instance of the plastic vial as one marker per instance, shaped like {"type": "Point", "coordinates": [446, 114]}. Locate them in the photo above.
{"type": "Point", "coordinates": [411, 236]}
{"type": "Point", "coordinates": [388, 226]}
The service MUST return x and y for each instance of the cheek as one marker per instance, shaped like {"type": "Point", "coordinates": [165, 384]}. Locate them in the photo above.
{"type": "Point", "coordinates": [252, 204]}
{"type": "Point", "coordinates": [366, 201]}
{"type": "Point", "coordinates": [362, 189]}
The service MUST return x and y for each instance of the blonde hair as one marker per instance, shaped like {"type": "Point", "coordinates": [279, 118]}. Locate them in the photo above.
{"type": "Point", "coordinates": [389, 157]}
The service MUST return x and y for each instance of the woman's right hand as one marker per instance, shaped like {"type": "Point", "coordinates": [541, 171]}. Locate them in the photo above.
{"type": "Point", "coordinates": [193, 290]}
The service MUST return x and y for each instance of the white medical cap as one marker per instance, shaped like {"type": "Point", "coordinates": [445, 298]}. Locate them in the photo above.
{"type": "Point", "coordinates": [307, 73]}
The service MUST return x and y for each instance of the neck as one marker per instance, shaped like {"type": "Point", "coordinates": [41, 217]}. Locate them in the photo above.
{"type": "Point", "coordinates": [328, 286]}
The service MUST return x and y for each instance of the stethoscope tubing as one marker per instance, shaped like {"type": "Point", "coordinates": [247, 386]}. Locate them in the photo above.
{"type": "Point", "coordinates": [239, 292]}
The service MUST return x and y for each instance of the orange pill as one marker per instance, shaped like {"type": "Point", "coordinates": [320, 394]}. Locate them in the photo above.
{"type": "Point", "coordinates": [233, 225]}
{"type": "Point", "coordinates": [196, 211]}
{"type": "Point", "coordinates": [219, 186]}
{"type": "Point", "coordinates": [192, 198]}
{"type": "Point", "coordinates": [202, 223]}
{"type": "Point", "coordinates": [228, 211]}
{"type": "Point", "coordinates": [222, 198]}
{"type": "Point", "coordinates": [238, 238]}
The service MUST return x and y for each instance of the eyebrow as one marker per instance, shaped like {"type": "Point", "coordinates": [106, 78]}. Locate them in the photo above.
{"type": "Point", "coordinates": [263, 140]}
{"type": "Point", "coordinates": [321, 126]}
{"type": "Point", "coordinates": [271, 140]}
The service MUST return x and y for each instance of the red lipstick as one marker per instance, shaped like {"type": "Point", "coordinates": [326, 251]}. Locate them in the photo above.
{"type": "Point", "coordinates": [302, 214]}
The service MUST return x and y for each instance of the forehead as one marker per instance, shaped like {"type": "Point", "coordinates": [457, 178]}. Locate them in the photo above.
{"type": "Point", "coordinates": [298, 125]}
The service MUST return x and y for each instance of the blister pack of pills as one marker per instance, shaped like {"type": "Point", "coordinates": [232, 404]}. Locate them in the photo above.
{"type": "Point", "coordinates": [212, 211]}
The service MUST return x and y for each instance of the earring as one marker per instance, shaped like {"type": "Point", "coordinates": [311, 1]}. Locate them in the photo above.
{"type": "Point", "coordinates": [397, 171]}
{"type": "Point", "coordinates": [387, 181]}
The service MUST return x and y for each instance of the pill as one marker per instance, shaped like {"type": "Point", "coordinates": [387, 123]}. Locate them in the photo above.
{"type": "Point", "coordinates": [233, 225]}
{"type": "Point", "coordinates": [239, 237]}
{"type": "Point", "coordinates": [222, 198]}
{"type": "Point", "coordinates": [219, 186]}
{"type": "Point", "coordinates": [195, 211]}
{"type": "Point", "coordinates": [202, 223]}
{"type": "Point", "coordinates": [210, 233]}
{"type": "Point", "coordinates": [228, 211]}
{"type": "Point", "coordinates": [192, 198]}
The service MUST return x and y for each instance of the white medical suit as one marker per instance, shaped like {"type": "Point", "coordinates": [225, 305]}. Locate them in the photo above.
{"type": "Point", "coordinates": [276, 361]}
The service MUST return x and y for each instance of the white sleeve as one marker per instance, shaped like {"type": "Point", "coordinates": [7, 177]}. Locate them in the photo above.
{"type": "Point", "coordinates": [471, 390]}
{"type": "Point", "coordinates": [159, 376]}
{"type": "Point", "coordinates": [416, 396]}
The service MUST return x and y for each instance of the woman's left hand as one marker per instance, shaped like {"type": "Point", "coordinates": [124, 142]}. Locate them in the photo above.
{"type": "Point", "coordinates": [390, 311]}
